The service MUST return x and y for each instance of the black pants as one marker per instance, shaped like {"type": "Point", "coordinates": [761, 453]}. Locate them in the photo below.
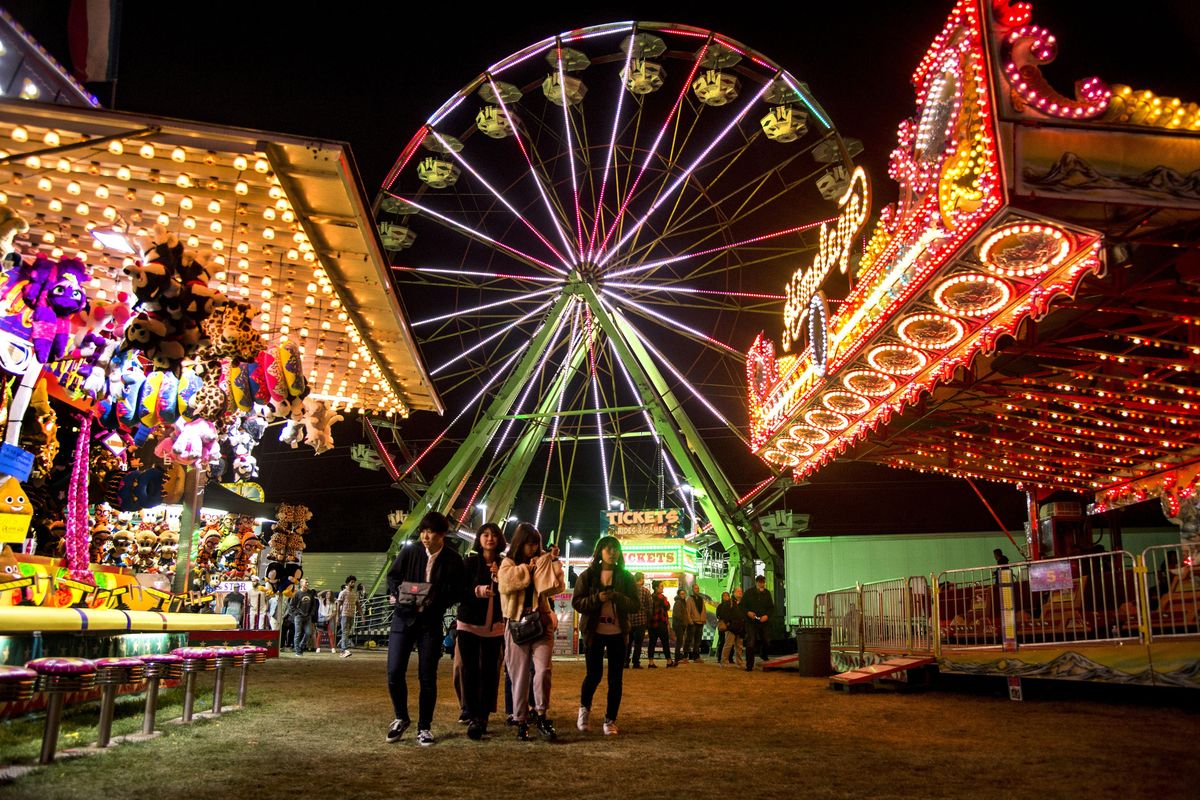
{"type": "Point", "coordinates": [681, 642]}
{"type": "Point", "coordinates": [480, 672]}
{"type": "Point", "coordinates": [637, 635]}
{"type": "Point", "coordinates": [659, 634]}
{"type": "Point", "coordinates": [426, 636]}
{"type": "Point", "coordinates": [614, 646]}
{"type": "Point", "coordinates": [756, 642]}
{"type": "Point", "coordinates": [720, 643]}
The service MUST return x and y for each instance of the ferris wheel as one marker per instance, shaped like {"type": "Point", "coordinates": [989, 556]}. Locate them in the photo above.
{"type": "Point", "coordinates": [587, 238]}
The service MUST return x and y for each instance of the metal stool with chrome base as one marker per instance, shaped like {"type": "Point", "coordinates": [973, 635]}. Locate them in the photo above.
{"type": "Point", "coordinates": [159, 666]}
{"type": "Point", "coordinates": [17, 684]}
{"type": "Point", "coordinates": [227, 658]}
{"type": "Point", "coordinates": [56, 677]}
{"type": "Point", "coordinates": [252, 656]}
{"type": "Point", "coordinates": [195, 661]}
{"type": "Point", "coordinates": [111, 674]}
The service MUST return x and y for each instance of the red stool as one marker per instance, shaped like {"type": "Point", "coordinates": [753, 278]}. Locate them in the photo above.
{"type": "Point", "coordinates": [226, 658]}
{"type": "Point", "coordinates": [195, 661]}
{"type": "Point", "coordinates": [56, 677]}
{"type": "Point", "coordinates": [17, 684]}
{"type": "Point", "coordinates": [158, 667]}
{"type": "Point", "coordinates": [252, 656]}
{"type": "Point", "coordinates": [111, 674]}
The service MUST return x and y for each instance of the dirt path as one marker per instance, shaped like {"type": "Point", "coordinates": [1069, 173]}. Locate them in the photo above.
{"type": "Point", "coordinates": [316, 725]}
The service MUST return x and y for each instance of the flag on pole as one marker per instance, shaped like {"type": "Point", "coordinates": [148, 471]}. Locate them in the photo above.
{"type": "Point", "coordinates": [93, 29]}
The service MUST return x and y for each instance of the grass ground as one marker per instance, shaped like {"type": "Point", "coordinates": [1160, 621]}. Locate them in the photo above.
{"type": "Point", "coordinates": [316, 724]}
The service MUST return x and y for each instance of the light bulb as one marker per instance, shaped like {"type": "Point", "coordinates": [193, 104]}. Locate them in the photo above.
{"type": "Point", "coordinates": [33, 162]}
{"type": "Point", "coordinates": [241, 188]}
{"type": "Point", "coordinates": [268, 213]}
{"type": "Point", "coordinates": [268, 233]}
{"type": "Point", "coordinates": [214, 206]}
{"type": "Point", "coordinates": [44, 184]}
{"type": "Point", "coordinates": [186, 203]}
{"type": "Point", "coordinates": [102, 192]}
{"type": "Point", "coordinates": [158, 199]}
{"type": "Point", "coordinates": [55, 204]}
{"type": "Point", "coordinates": [20, 134]}
{"type": "Point", "coordinates": [243, 263]}
{"type": "Point", "coordinates": [124, 173]}
{"type": "Point", "coordinates": [215, 226]}
{"type": "Point", "coordinates": [164, 219]}
{"type": "Point", "coordinates": [274, 193]}
{"type": "Point", "coordinates": [109, 213]}
{"type": "Point", "coordinates": [183, 181]}
{"type": "Point", "coordinates": [261, 166]}
{"type": "Point", "coordinates": [243, 248]}
{"type": "Point", "coordinates": [116, 147]}
{"type": "Point", "coordinates": [179, 155]}
{"type": "Point", "coordinates": [83, 209]}
{"type": "Point", "coordinates": [146, 150]}
{"type": "Point", "coordinates": [193, 241]}
{"type": "Point", "coordinates": [73, 188]}
{"type": "Point", "coordinates": [240, 163]}
{"type": "Point", "coordinates": [63, 165]}
{"type": "Point", "coordinates": [189, 223]}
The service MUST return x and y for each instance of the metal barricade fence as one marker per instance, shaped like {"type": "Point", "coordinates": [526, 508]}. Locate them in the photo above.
{"type": "Point", "coordinates": [896, 615]}
{"type": "Point", "coordinates": [840, 611]}
{"type": "Point", "coordinates": [1082, 598]}
{"type": "Point", "coordinates": [374, 619]}
{"type": "Point", "coordinates": [1172, 592]}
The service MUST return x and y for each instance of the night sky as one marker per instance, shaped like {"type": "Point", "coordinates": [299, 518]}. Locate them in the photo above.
{"type": "Point", "coordinates": [369, 74]}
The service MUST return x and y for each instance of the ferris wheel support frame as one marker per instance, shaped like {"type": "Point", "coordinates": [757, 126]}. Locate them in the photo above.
{"type": "Point", "coordinates": [713, 491]}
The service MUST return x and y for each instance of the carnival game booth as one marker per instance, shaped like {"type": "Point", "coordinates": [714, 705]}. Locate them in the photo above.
{"type": "Point", "coordinates": [1024, 313]}
{"type": "Point", "coordinates": [171, 291]}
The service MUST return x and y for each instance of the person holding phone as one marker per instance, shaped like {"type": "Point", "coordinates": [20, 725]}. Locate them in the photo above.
{"type": "Point", "coordinates": [427, 568]}
{"type": "Point", "coordinates": [480, 625]}
{"type": "Point", "coordinates": [528, 577]}
{"type": "Point", "coordinates": [605, 596]}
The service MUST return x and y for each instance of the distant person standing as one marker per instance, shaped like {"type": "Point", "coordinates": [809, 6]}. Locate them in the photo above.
{"type": "Point", "coordinates": [1001, 559]}
{"type": "Point", "coordinates": [735, 629]}
{"type": "Point", "coordinates": [659, 625]}
{"type": "Point", "coordinates": [722, 626]}
{"type": "Point", "coordinates": [639, 622]}
{"type": "Point", "coordinates": [431, 569]}
{"type": "Point", "coordinates": [697, 617]}
{"type": "Point", "coordinates": [759, 607]}
{"type": "Point", "coordinates": [302, 609]}
{"type": "Point", "coordinates": [680, 619]}
{"type": "Point", "coordinates": [347, 605]}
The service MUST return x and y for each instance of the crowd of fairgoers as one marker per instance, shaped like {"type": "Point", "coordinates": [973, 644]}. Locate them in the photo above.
{"type": "Point", "coordinates": [502, 592]}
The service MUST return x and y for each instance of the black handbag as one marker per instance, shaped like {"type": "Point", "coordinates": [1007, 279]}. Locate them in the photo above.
{"type": "Point", "coordinates": [529, 627]}
{"type": "Point", "coordinates": [413, 595]}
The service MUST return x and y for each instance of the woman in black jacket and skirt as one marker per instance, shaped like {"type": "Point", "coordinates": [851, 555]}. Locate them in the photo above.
{"type": "Point", "coordinates": [481, 628]}
{"type": "Point", "coordinates": [605, 595]}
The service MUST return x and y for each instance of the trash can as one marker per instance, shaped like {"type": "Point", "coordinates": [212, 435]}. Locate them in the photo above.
{"type": "Point", "coordinates": [812, 649]}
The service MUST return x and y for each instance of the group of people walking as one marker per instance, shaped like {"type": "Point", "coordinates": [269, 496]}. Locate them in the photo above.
{"type": "Point", "coordinates": [504, 611]}
{"type": "Point", "coordinates": [310, 615]}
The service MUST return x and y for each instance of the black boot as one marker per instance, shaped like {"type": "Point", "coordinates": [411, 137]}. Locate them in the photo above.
{"type": "Point", "coordinates": [546, 728]}
{"type": "Point", "coordinates": [522, 731]}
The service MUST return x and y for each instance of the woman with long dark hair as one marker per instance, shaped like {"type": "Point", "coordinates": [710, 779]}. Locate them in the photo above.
{"type": "Point", "coordinates": [605, 596]}
{"type": "Point", "coordinates": [528, 577]}
{"type": "Point", "coordinates": [480, 638]}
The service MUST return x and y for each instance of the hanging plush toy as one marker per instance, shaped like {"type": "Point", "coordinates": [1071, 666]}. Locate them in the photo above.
{"type": "Point", "coordinates": [318, 423]}
{"type": "Point", "coordinates": [167, 551]}
{"type": "Point", "coordinates": [147, 541]}
{"type": "Point", "coordinates": [54, 292]}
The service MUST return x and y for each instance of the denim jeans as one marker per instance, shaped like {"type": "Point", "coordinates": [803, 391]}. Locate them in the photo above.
{"type": "Point", "coordinates": [659, 634]}
{"type": "Point", "coordinates": [347, 629]}
{"type": "Point", "coordinates": [426, 636]}
{"type": "Point", "coordinates": [303, 627]}
{"type": "Point", "coordinates": [636, 635]}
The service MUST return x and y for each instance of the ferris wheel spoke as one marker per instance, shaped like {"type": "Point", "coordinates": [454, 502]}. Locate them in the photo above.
{"type": "Point", "coordinates": [649, 422]}
{"type": "Point", "coordinates": [596, 400]}
{"type": "Point", "coordinates": [483, 238]}
{"type": "Point", "coordinates": [674, 325]}
{"type": "Point", "coordinates": [467, 166]}
{"type": "Point", "coordinates": [612, 144]}
{"type": "Point", "coordinates": [566, 108]}
{"type": "Point", "coordinates": [500, 372]}
{"type": "Point", "coordinates": [671, 288]}
{"type": "Point", "coordinates": [494, 336]}
{"type": "Point", "coordinates": [464, 278]}
{"type": "Point", "coordinates": [465, 311]}
{"type": "Point", "coordinates": [687, 84]}
{"type": "Point", "coordinates": [673, 187]}
{"type": "Point", "coordinates": [556, 216]}
{"type": "Point", "coordinates": [650, 265]}
{"type": "Point", "coordinates": [666, 362]}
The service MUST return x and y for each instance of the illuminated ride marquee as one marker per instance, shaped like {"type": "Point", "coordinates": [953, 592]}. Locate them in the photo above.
{"type": "Point", "coordinates": [946, 271]}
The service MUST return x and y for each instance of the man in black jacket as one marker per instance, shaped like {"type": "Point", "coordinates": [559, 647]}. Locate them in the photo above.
{"type": "Point", "coordinates": [425, 561]}
{"type": "Point", "coordinates": [759, 607]}
{"type": "Point", "coordinates": [302, 611]}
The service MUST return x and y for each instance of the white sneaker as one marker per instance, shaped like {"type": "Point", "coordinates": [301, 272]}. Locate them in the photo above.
{"type": "Point", "coordinates": [610, 727]}
{"type": "Point", "coordinates": [582, 722]}
{"type": "Point", "coordinates": [317, 650]}
{"type": "Point", "coordinates": [346, 654]}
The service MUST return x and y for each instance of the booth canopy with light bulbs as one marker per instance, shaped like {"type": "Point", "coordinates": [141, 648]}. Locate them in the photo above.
{"type": "Point", "coordinates": [285, 219]}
